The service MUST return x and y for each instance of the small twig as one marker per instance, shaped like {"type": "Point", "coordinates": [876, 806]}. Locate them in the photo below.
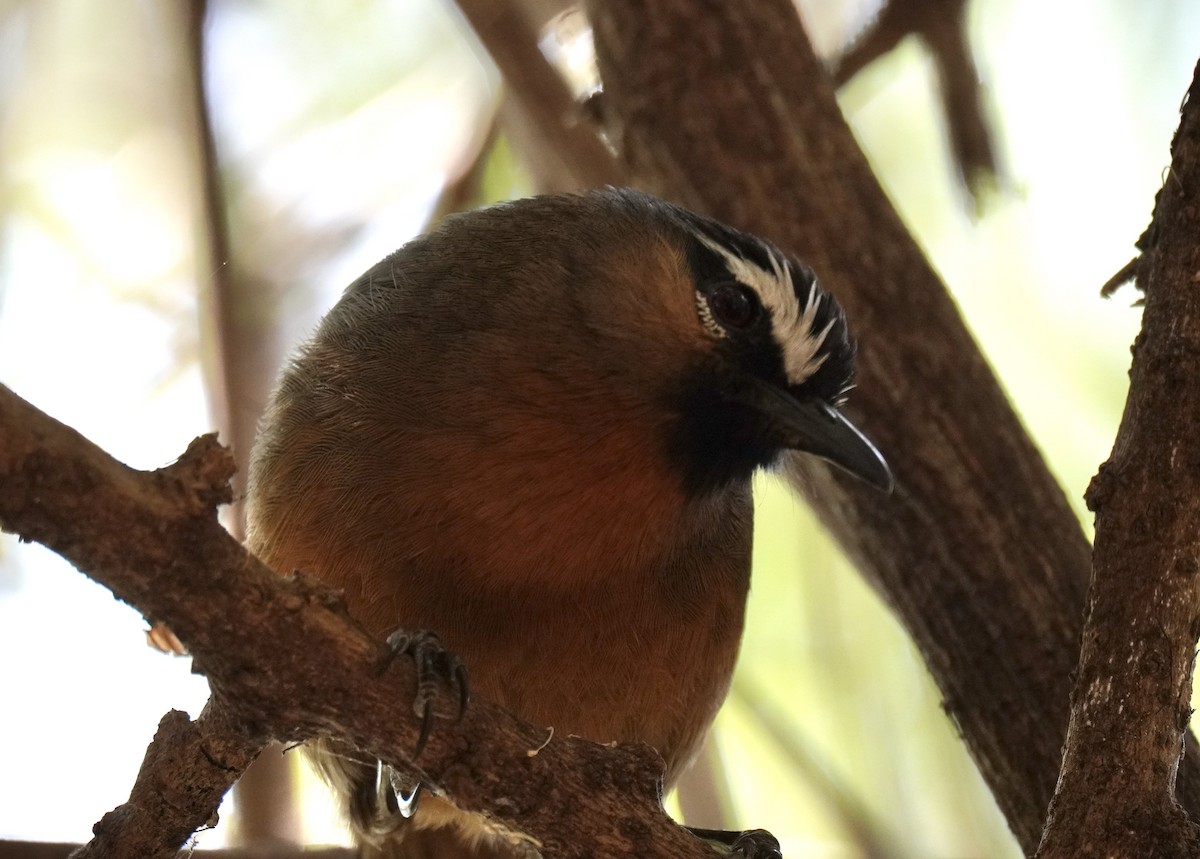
{"type": "Point", "coordinates": [941, 25]}
{"type": "Point", "coordinates": [1128, 272]}
{"type": "Point", "coordinates": [533, 753]}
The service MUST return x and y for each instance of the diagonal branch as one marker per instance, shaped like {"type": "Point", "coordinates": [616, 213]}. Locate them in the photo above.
{"type": "Point", "coordinates": [942, 26]}
{"type": "Point", "coordinates": [285, 662]}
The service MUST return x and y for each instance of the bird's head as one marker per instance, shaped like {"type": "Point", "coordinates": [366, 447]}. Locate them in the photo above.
{"type": "Point", "coordinates": [598, 312]}
{"type": "Point", "coordinates": [771, 366]}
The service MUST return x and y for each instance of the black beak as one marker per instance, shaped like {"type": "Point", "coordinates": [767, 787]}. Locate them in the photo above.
{"type": "Point", "coordinates": [815, 427]}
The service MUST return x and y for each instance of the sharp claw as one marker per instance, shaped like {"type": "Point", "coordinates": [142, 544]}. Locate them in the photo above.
{"type": "Point", "coordinates": [402, 795]}
{"type": "Point", "coordinates": [426, 727]}
{"type": "Point", "coordinates": [464, 691]}
{"type": "Point", "coordinates": [435, 666]}
{"type": "Point", "coordinates": [396, 643]}
{"type": "Point", "coordinates": [408, 804]}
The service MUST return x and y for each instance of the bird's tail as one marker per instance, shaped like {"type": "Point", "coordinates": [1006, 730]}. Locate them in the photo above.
{"type": "Point", "coordinates": [436, 829]}
{"type": "Point", "coordinates": [433, 844]}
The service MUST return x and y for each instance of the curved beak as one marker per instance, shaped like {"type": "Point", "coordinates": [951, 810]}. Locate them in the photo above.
{"type": "Point", "coordinates": [816, 427]}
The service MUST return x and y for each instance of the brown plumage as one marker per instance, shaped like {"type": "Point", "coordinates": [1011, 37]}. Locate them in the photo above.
{"type": "Point", "coordinates": [532, 431]}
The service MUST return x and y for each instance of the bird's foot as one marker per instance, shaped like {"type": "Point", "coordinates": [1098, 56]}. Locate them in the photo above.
{"type": "Point", "coordinates": [756, 844]}
{"type": "Point", "coordinates": [436, 667]}
{"type": "Point", "coordinates": [750, 844]}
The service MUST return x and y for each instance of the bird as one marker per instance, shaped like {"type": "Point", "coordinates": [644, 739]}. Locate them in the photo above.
{"type": "Point", "coordinates": [532, 431]}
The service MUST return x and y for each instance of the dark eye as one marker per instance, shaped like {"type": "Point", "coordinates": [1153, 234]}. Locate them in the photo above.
{"type": "Point", "coordinates": [733, 305]}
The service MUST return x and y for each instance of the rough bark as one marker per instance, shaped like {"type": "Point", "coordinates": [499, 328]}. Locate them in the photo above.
{"type": "Point", "coordinates": [724, 107]}
{"type": "Point", "coordinates": [187, 770]}
{"type": "Point", "coordinates": [285, 662]}
{"type": "Point", "coordinates": [1130, 707]}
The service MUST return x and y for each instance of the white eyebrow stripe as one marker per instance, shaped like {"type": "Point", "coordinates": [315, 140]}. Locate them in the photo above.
{"type": "Point", "coordinates": [792, 327]}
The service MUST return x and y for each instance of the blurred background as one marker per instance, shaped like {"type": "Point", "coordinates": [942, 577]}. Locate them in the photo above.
{"type": "Point", "coordinates": [158, 261]}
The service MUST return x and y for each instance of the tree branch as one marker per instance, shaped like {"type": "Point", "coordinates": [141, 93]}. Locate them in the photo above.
{"type": "Point", "coordinates": [187, 769]}
{"type": "Point", "coordinates": [942, 26]}
{"type": "Point", "coordinates": [285, 662]}
{"type": "Point", "coordinates": [1131, 703]}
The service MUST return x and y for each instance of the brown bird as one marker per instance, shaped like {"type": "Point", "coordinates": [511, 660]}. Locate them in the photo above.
{"type": "Point", "coordinates": [532, 431]}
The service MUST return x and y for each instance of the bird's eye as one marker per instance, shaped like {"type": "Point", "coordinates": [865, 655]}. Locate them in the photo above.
{"type": "Point", "coordinates": [733, 305]}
